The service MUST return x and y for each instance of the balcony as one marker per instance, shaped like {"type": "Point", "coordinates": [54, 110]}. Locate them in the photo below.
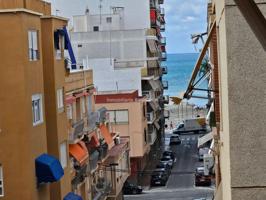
{"type": "Point", "coordinates": [149, 95]}
{"type": "Point", "coordinates": [165, 85]}
{"type": "Point", "coordinates": [166, 99]}
{"type": "Point", "coordinates": [165, 69]}
{"type": "Point", "coordinates": [103, 150]}
{"type": "Point", "coordinates": [163, 40]}
{"type": "Point", "coordinates": [163, 56]}
{"type": "Point", "coordinates": [151, 134]}
{"type": "Point", "coordinates": [150, 117]}
{"type": "Point", "coordinates": [76, 132]}
{"type": "Point", "coordinates": [94, 157]}
{"type": "Point", "coordinates": [92, 120]}
{"type": "Point", "coordinates": [81, 173]}
{"type": "Point", "coordinates": [163, 49]}
{"type": "Point", "coordinates": [162, 27]}
{"type": "Point", "coordinates": [162, 12]}
{"type": "Point", "coordinates": [101, 115]}
{"type": "Point", "coordinates": [166, 114]}
{"type": "Point", "coordinates": [161, 1]}
{"type": "Point", "coordinates": [75, 79]}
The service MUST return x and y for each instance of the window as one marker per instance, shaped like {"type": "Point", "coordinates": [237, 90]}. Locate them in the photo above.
{"type": "Point", "coordinates": [63, 154]}
{"type": "Point", "coordinates": [37, 111]}
{"type": "Point", "coordinates": [58, 43]}
{"type": "Point", "coordinates": [60, 99]}
{"type": "Point", "coordinates": [96, 28]}
{"type": "Point", "coordinates": [1, 182]}
{"type": "Point", "coordinates": [69, 112]}
{"type": "Point", "coordinates": [118, 116]}
{"type": "Point", "coordinates": [33, 45]}
{"type": "Point", "coordinates": [109, 19]}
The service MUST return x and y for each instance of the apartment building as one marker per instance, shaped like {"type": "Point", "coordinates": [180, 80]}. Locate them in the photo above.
{"type": "Point", "coordinates": [113, 43]}
{"type": "Point", "coordinates": [28, 122]}
{"type": "Point", "coordinates": [127, 116]}
{"type": "Point", "coordinates": [237, 57]}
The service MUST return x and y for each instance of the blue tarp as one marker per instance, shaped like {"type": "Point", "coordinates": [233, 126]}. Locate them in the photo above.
{"type": "Point", "coordinates": [72, 196]}
{"type": "Point", "coordinates": [69, 48]}
{"type": "Point", "coordinates": [48, 169]}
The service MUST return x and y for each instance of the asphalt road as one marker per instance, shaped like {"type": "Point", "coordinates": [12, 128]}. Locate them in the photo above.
{"type": "Point", "coordinates": [173, 194]}
{"type": "Point", "coordinates": [180, 185]}
{"type": "Point", "coordinates": [182, 175]}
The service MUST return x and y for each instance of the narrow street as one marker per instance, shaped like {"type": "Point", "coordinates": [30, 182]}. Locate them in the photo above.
{"type": "Point", "coordinates": [180, 184]}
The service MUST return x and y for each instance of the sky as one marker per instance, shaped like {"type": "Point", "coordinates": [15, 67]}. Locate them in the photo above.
{"type": "Point", "coordinates": [183, 18]}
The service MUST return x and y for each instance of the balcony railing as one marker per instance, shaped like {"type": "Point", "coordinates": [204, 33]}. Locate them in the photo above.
{"type": "Point", "coordinates": [103, 150]}
{"type": "Point", "coordinates": [151, 134]}
{"type": "Point", "coordinates": [150, 117]}
{"type": "Point", "coordinates": [162, 27]}
{"type": "Point", "coordinates": [149, 94]}
{"type": "Point", "coordinates": [161, 1]}
{"type": "Point", "coordinates": [166, 99]}
{"type": "Point", "coordinates": [165, 85]}
{"type": "Point", "coordinates": [94, 157]}
{"type": "Point", "coordinates": [77, 131]}
{"type": "Point", "coordinates": [92, 120]}
{"type": "Point", "coordinates": [101, 115]}
{"type": "Point", "coordinates": [163, 56]}
{"type": "Point", "coordinates": [162, 12]}
{"type": "Point", "coordinates": [166, 114]}
{"type": "Point", "coordinates": [80, 175]}
{"type": "Point", "coordinates": [163, 40]}
{"type": "Point", "coordinates": [165, 69]}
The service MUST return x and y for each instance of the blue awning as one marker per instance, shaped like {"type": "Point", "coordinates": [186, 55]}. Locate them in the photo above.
{"type": "Point", "coordinates": [48, 169]}
{"type": "Point", "coordinates": [72, 196]}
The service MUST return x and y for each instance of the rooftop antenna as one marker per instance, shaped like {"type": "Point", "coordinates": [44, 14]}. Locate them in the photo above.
{"type": "Point", "coordinates": [100, 9]}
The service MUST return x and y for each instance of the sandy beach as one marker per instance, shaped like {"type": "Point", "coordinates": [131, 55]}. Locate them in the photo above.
{"type": "Point", "coordinates": [183, 111]}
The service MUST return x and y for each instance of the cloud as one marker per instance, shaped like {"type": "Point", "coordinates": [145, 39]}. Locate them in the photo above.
{"type": "Point", "coordinates": [184, 18]}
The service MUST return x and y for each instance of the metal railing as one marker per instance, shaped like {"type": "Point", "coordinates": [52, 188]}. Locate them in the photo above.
{"type": "Point", "coordinates": [149, 94]}
{"type": "Point", "coordinates": [163, 56]}
{"type": "Point", "coordinates": [80, 175]}
{"type": "Point", "coordinates": [92, 120]}
{"type": "Point", "coordinates": [93, 160]}
{"type": "Point", "coordinates": [162, 27]}
{"type": "Point", "coordinates": [163, 40]}
{"type": "Point", "coordinates": [150, 117]}
{"type": "Point", "coordinates": [103, 150]}
{"type": "Point", "coordinates": [165, 85]}
{"type": "Point", "coordinates": [162, 12]}
{"type": "Point", "coordinates": [164, 69]}
{"type": "Point", "coordinates": [77, 130]}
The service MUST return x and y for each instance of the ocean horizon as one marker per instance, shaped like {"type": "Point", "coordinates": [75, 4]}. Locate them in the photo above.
{"type": "Point", "coordinates": [180, 67]}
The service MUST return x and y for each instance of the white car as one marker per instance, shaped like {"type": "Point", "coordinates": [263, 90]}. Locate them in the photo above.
{"type": "Point", "coordinates": [168, 160]}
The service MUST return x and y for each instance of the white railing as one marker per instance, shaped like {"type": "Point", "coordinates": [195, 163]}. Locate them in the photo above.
{"type": "Point", "coordinates": [150, 117]}
{"type": "Point", "coordinates": [149, 94]}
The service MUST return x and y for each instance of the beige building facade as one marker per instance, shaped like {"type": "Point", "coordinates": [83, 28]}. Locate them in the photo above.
{"type": "Point", "coordinates": [240, 138]}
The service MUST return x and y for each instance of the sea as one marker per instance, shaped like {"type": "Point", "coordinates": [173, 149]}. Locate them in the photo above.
{"type": "Point", "coordinates": [180, 67]}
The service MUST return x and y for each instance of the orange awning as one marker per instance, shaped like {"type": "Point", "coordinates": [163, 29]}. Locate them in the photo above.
{"type": "Point", "coordinates": [79, 152]}
{"type": "Point", "coordinates": [106, 134]}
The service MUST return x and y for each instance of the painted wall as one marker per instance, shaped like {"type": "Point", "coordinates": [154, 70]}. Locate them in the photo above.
{"type": "Point", "coordinates": [135, 128]}
{"type": "Point", "coordinates": [21, 142]}
{"type": "Point", "coordinates": [122, 79]}
{"type": "Point", "coordinates": [141, 7]}
{"type": "Point", "coordinates": [242, 75]}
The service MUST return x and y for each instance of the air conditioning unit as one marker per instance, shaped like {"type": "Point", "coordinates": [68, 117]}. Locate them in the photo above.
{"type": "Point", "coordinates": [208, 163]}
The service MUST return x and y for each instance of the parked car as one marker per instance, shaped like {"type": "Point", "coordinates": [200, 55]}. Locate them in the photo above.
{"type": "Point", "coordinates": [201, 179]}
{"type": "Point", "coordinates": [130, 188]}
{"type": "Point", "coordinates": [168, 160]}
{"type": "Point", "coordinates": [159, 178]}
{"type": "Point", "coordinates": [175, 139]}
{"type": "Point", "coordinates": [164, 166]}
{"type": "Point", "coordinates": [169, 153]}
